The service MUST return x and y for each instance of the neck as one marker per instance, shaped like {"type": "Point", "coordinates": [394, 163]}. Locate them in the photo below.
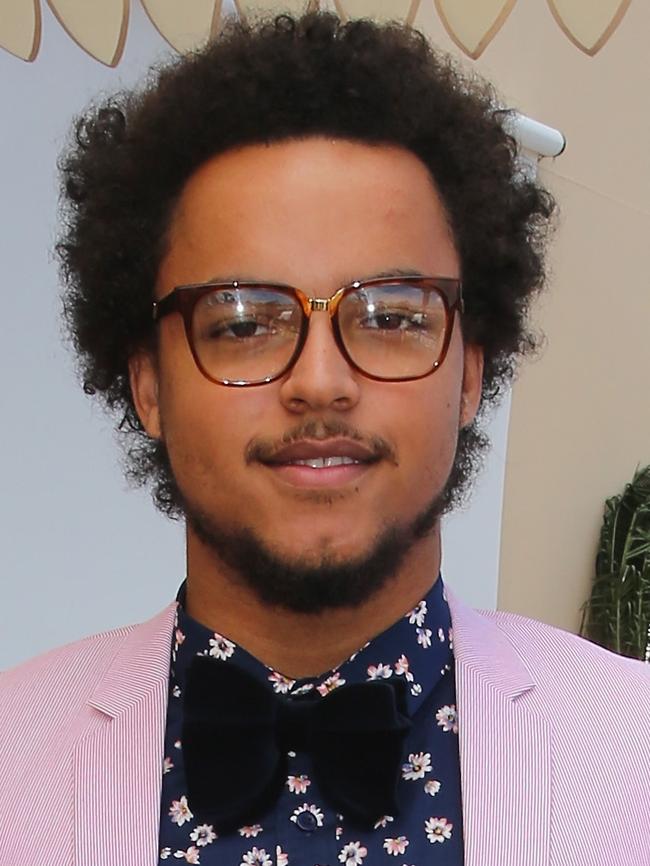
{"type": "Point", "coordinates": [297, 644]}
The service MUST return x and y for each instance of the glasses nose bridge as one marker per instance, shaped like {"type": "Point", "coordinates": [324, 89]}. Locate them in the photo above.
{"type": "Point", "coordinates": [323, 305]}
{"type": "Point", "coordinates": [320, 305]}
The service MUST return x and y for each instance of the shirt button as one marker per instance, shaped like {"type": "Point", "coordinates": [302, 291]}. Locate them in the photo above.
{"type": "Point", "coordinates": [306, 821]}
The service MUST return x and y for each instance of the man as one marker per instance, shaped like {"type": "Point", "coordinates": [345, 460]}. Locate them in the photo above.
{"type": "Point", "coordinates": [298, 264]}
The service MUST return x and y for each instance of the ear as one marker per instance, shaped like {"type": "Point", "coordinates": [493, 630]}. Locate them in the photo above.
{"type": "Point", "coordinates": [472, 383]}
{"type": "Point", "coordinates": [143, 378]}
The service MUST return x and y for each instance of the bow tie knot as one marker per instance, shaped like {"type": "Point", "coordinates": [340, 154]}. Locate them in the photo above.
{"type": "Point", "coordinates": [237, 733]}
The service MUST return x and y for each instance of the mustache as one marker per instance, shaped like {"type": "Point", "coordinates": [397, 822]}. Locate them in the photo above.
{"type": "Point", "coordinates": [263, 449]}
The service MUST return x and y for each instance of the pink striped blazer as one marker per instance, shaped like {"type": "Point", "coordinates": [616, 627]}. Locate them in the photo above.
{"type": "Point", "coordinates": [554, 745]}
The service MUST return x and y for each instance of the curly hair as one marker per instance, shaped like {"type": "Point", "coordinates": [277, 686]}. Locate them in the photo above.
{"type": "Point", "coordinates": [277, 79]}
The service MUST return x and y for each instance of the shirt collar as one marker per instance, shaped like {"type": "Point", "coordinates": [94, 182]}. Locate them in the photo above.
{"type": "Point", "coordinates": [418, 647]}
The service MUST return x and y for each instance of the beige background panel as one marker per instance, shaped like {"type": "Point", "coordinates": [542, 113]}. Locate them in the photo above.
{"type": "Point", "coordinates": [187, 25]}
{"type": "Point", "coordinates": [472, 24]}
{"type": "Point", "coordinates": [589, 23]}
{"type": "Point", "coordinates": [579, 424]}
{"type": "Point", "coordinates": [580, 418]}
{"type": "Point", "coordinates": [20, 27]}
{"type": "Point", "coordinates": [99, 27]}
{"type": "Point", "coordinates": [381, 10]}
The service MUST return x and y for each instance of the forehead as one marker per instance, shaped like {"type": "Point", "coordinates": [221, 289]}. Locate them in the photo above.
{"type": "Point", "coordinates": [311, 210]}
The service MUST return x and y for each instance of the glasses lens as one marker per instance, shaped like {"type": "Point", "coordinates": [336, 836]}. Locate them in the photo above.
{"type": "Point", "coordinates": [245, 335]}
{"type": "Point", "coordinates": [394, 330]}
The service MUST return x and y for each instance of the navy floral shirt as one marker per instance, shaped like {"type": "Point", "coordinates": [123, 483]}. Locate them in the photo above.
{"type": "Point", "coordinates": [301, 829]}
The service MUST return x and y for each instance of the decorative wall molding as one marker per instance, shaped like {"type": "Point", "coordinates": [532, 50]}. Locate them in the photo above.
{"type": "Point", "coordinates": [199, 21]}
{"type": "Point", "coordinates": [250, 7]}
{"type": "Point", "coordinates": [471, 25]}
{"type": "Point", "coordinates": [589, 32]}
{"type": "Point", "coordinates": [100, 26]}
{"type": "Point", "coordinates": [383, 10]}
{"type": "Point", "coordinates": [20, 28]}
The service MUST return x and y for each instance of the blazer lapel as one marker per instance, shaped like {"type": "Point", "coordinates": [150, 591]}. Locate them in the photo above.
{"type": "Point", "coordinates": [505, 748]}
{"type": "Point", "coordinates": [118, 763]}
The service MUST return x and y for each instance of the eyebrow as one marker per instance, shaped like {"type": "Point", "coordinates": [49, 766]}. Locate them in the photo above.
{"type": "Point", "coordinates": [393, 272]}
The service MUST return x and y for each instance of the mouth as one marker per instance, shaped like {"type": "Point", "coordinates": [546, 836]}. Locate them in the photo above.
{"type": "Point", "coordinates": [333, 463]}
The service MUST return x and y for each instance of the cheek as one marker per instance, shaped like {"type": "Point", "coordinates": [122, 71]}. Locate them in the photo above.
{"type": "Point", "coordinates": [429, 431]}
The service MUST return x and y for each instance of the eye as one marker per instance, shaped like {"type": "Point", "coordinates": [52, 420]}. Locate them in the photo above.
{"type": "Point", "coordinates": [240, 329]}
{"type": "Point", "coordinates": [394, 321]}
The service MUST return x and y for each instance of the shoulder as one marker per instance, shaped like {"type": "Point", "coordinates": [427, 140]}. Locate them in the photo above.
{"type": "Point", "coordinates": [71, 666]}
{"type": "Point", "coordinates": [567, 667]}
{"type": "Point", "coordinates": [76, 668]}
{"type": "Point", "coordinates": [559, 646]}
{"type": "Point", "coordinates": [52, 701]}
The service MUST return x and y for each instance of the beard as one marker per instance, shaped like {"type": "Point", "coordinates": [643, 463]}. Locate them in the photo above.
{"type": "Point", "coordinates": [302, 585]}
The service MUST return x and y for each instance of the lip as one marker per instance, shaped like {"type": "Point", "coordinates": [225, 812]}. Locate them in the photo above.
{"type": "Point", "coordinates": [311, 448]}
{"type": "Point", "coordinates": [307, 477]}
{"type": "Point", "coordinates": [329, 476]}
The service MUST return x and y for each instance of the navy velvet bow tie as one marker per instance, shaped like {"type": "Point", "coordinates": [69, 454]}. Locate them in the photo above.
{"type": "Point", "coordinates": [237, 732]}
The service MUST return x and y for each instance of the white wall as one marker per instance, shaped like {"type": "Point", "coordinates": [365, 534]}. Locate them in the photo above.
{"type": "Point", "coordinates": [79, 553]}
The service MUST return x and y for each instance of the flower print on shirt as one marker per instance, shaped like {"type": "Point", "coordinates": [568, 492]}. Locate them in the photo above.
{"type": "Point", "coordinates": [165, 853]}
{"type": "Point", "coordinates": [379, 672]}
{"type": "Point", "coordinates": [250, 830]}
{"type": "Point", "coordinates": [179, 811]}
{"type": "Point", "coordinates": [383, 821]}
{"type": "Point", "coordinates": [298, 784]}
{"type": "Point", "coordinates": [221, 648]}
{"type": "Point", "coordinates": [352, 854]}
{"type": "Point", "coordinates": [330, 684]}
{"type": "Point", "coordinates": [168, 765]}
{"type": "Point", "coordinates": [417, 615]}
{"type": "Point", "coordinates": [281, 684]}
{"type": "Point", "coordinates": [179, 637]}
{"type": "Point", "coordinates": [441, 635]}
{"type": "Point", "coordinates": [192, 855]}
{"type": "Point", "coordinates": [418, 764]}
{"type": "Point", "coordinates": [302, 690]}
{"type": "Point", "coordinates": [438, 829]}
{"type": "Point", "coordinates": [424, 637]}
{"type": "Point", "coordinates": [448, 718]}
{"type": "Point", "coordinates": [203, 835]}
{"type": "Point", "coordinates": [282, 858]}
{"type": "Point", "coordinates": [256, 857]}
{"type": "Point", "coordinates": [306, 807]}
{"type": "Point", "coordinates": [402, 668]}
{"type": "Point", "coordinates": [432, 787]}
{"type": "Point", "coordinates": [396, 846]}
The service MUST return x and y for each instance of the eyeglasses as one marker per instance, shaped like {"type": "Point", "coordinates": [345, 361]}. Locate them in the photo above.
{"type": "Point", "coordinates": [393, 329]}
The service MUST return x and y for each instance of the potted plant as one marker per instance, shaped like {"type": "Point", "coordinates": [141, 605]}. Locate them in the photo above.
{"type": "Point", "coordinates": [617, 614]}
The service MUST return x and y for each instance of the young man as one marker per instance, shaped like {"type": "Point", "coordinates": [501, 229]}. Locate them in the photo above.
{"type": "Point", "coordinates": [297, 266]}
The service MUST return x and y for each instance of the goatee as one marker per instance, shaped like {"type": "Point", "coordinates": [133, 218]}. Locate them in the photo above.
{"type": "Point", "coordinates": [305, 586]}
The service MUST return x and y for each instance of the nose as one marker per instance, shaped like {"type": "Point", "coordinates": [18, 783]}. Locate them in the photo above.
{"type": "Point", "coordinates": [321, 378]}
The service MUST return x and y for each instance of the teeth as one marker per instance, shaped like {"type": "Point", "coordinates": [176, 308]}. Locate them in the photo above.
{"type": "Point", "coordinates": [324, 462]}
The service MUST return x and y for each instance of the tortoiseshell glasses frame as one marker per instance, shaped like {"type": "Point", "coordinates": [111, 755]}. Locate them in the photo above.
{"type": "Point", "coordinates": [184, 299]}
